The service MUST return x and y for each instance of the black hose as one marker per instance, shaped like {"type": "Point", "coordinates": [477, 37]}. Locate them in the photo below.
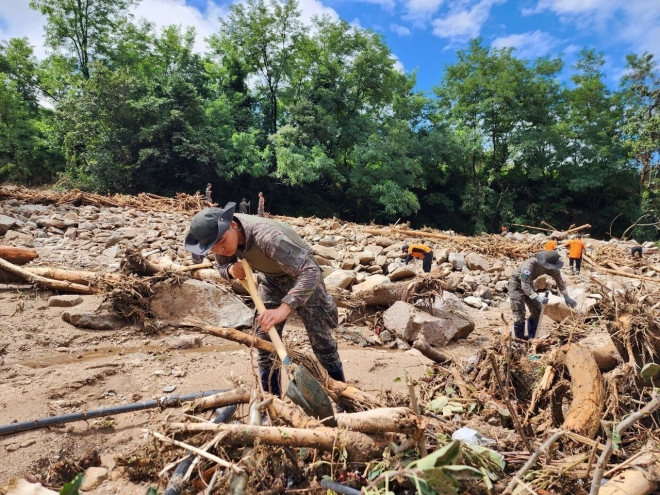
{"type": "Point", "coordinates": [339, 488]}
{"type": "Point", "coordinates": [167, 401]}
{"type": "Point", "coordinates": [175, 484]}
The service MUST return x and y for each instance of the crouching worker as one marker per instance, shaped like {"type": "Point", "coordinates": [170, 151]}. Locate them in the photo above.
{"type": "Point", "coordinates": [521, 291]}
{"type": "Point", "coordinates": [290, 279]}
{"type": "Point", "coordinates": [419, 251]}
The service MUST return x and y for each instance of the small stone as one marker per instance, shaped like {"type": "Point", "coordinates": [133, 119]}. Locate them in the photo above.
{"type": "Point", "coordinates": [28, 443]}
{"type": "Point", "coordinates": [169, 388]}
{"type": "Point", "coordinates": [64, 301]}
{"type": "Point", "coordinates": [94, 476]}
{"type": "Point", "coordinates": [12, 447]}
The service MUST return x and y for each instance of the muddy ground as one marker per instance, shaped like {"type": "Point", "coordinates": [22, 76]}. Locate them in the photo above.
{"type": "Point", "coordinates": [50, 368]}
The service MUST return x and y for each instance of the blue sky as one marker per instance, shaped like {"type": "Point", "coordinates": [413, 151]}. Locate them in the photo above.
{"type": "Point", "coordinates": [425, 34]}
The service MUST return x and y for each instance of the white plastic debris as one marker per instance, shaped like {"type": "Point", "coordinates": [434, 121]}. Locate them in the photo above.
{"type": "Point", "coordinates": [468, 435]}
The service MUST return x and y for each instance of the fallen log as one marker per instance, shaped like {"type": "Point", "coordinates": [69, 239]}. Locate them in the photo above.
{"type": "Point", "coordinates": [360, 447]}
{"type": "Point", "coordinates": [336, 390]}
{"type": "Point", "coordinates": [620, 273]}
{"type": "Point", "coordinates": [18, 255]}
{"type": "Point", "coordinates": [530, 227]}
{"type": "Point", "coordinates": [430, 352]}
{"type": "Point", "coordinates": [584, 414]}
{"type": "Point", "coordinates": [225, 398]}
{"type": "Point", "coordinates": [47, 283]}
{"type": "Point", "coordinates": [641, 478]}
{"type": "Point", "coordinates": [413, 233]}
{"type": "Point", "coordinates": [578, 229]}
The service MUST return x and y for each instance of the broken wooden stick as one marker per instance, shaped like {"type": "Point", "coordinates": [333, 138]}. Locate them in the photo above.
{"type": "Point", "coordinates": [588, 392]}
{"type": "Point", "coordinates": [360, 447]}
{"type": "Point", "coordinates": [650, 408]}
{"type": "Point", "coordinates": [225, 398]}
{"type": "Point", "coordinates": [45, 282]}
{"type": "Point", "coordinates": [430, 352]}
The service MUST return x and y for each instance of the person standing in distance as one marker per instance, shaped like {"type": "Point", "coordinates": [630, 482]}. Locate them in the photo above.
{"type": "Point", "coordinates": [289, 275]}
{"type": "Point", "coordinates": [208, 192]}
{"type": "Point", "coordinates": [522, 293]}
{"type": "Point", "coordinates": [262, 204]}
{"type": "Point", "coordinates": [243, 206]}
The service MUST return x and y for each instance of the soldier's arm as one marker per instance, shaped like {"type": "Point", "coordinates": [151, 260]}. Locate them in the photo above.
{"type": "Point", "coordinates": [296, 261]}
{"type": "Point", "coordinates": [223, 263]}
{"type": "Point", "coordinates": [561, 285]}
{"type": "Point", "coordinates": [526, 281]}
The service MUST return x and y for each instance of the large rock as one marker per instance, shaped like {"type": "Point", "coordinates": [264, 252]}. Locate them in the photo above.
{"type": "Point", "coordinates": [373, 249]}
{"type": "Point", "coordinates": [476, 262]}
{"type": "Point", "coordinates": [454, 279]}
{"type": "Point", "coordinates": [342, 279]}
{"type": "Point", "coordinates": [194, 298]}
{"type": "Point", "coordinates": [402, 272]}
{"type": "Point", "coordinates": [6, 223]}
{"type": "Point", "coordinates": [383, 241]}
{"type": "Point", "coordinates": [407, 322]}
{"type": "Point", "coordinates": [370, 283]}
{"type": "Point", "coordinates": [326, 252]}
{"type": "Point", "coordinates": [457, 260]}
{"type": "Point", "coordinates": [365, 258]}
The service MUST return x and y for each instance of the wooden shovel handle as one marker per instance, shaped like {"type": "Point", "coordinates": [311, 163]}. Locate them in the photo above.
{"type": "Point", "coordinates": [251, 287]}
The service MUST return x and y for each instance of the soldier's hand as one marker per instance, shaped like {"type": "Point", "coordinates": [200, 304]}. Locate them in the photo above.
{"type": "Point", "coordinates": [236, 270]}
{"type": "Point", "coordinates": [542, 300]}
{"type": "Point", "coordinates": [571, 303]}
{"type": "Point", "coordinates": [271, 317]}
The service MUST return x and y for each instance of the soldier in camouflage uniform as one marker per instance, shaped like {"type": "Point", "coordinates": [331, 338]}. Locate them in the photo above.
{"type": "Point", "coordinates": [521, 290]}
{"type": "Point", "coordinates": [289, 276]}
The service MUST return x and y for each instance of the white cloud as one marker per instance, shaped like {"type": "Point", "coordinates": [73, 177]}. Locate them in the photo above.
{"type": "Point", "coordinates": [528, 45]}
{"type": "Point", "coordinates": [167, 12]}
{"type": "Point", "coordinates": [400, 30]}
{"type": "Point", "coordinates": [422, 9]}
{"type": "Point", "coordinates": [17, 20]}
{"type": "Point", "coordinates": [311, 8]}
{"type": "Point", "coordinates": [464, 23]}
{"type": "Point", "coordinates": [635, 22]}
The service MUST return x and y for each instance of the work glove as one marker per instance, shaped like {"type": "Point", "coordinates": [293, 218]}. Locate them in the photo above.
{"type": "Point", "coordinates": [542, 300]}
{"type": "Point", "coordinates": [571, 303]}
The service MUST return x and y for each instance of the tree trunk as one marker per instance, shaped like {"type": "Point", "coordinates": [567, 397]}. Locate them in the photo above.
{"type": "Point", "coordinates": [584, 415]}
{"type": "Point", "coordinates": [18, 255]}
{"type": "Point", "coordinates": [359, 446]}
{"type": "Point", "coordinates": [45, 282]}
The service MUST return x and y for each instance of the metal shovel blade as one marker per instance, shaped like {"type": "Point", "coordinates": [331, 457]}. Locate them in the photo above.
{"type": "Point", "coordinates": [307, 393]}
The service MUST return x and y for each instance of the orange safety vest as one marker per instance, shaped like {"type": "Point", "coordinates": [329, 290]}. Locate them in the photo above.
{"type": "Point", "coordinates": [575, 248]}
{"type": "Point", "coordinates": [550, 245]}
{"type": "Point", "coordinates": [418, 250]}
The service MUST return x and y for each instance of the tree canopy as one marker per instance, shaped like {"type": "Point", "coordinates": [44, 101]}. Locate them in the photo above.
{"type": "Point", "coordinates": [319, 117]}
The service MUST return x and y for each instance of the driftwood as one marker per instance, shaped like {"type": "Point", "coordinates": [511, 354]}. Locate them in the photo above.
{"type": "Point", "coordinates": [620, 273]}
{"type": "Point", "coordinates": [360, 447]}
{"type": "Point", "coordinates": [588, 392]}
{"type": "Point", "coordinates": [652, 406]}
{"type": "Point", "coordinates": [237, 396]}
{"type": "Point", "coordinates": [530, 227]}
{"type": "Point", "coordinates": [430, 352]}
{"type": "Point", "coordinates": [45, 282]}
{"type": "Point", "coordinates": [17, 255]}
{"type": "Point", "coordinates": [643, 477]}
{"type": "Point", "coordinates": [578, 229]}
{"type": "Point", "coordinates": [336, 390]}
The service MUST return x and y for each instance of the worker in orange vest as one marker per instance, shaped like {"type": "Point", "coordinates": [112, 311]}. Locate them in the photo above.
{"type": "Point", "coordinates": [551, 245]}
{"type": "Point", "coordinates": [421, 251]}
{"type": "Point", "coordinates": [575, 249]}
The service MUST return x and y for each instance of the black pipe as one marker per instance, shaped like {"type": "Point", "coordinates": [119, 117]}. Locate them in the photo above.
{"type": "Point", "coordinates": [166, 401]}
{"type": "Point", "coordinates": [175, 484]}
{"type": "Point", "coordinates": [339, 488]}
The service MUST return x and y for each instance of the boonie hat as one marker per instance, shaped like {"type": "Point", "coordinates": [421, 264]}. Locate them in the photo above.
{"type": "Point", "coordinates": [550, 260]}
{"type": "Point", "coordinates": [207, 227]}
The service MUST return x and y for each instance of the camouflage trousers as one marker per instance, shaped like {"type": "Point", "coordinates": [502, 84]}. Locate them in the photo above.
{"type": "Point", "coordinates": [319, 316]}
{"type": "Point", "coordinates": [518, 301]}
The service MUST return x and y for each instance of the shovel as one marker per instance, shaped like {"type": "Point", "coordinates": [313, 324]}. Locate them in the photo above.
{"type": "Point", "coordinates": [303, 388]}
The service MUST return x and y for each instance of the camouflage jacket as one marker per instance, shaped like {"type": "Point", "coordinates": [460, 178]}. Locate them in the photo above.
{"type": "Point", "coordinates": [276, 250]}
{"type": "Point", "coordinates": [529, 271]}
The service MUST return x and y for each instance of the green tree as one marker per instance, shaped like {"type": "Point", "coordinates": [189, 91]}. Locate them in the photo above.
{"type": "Point", "coordinates": [83, 28]}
